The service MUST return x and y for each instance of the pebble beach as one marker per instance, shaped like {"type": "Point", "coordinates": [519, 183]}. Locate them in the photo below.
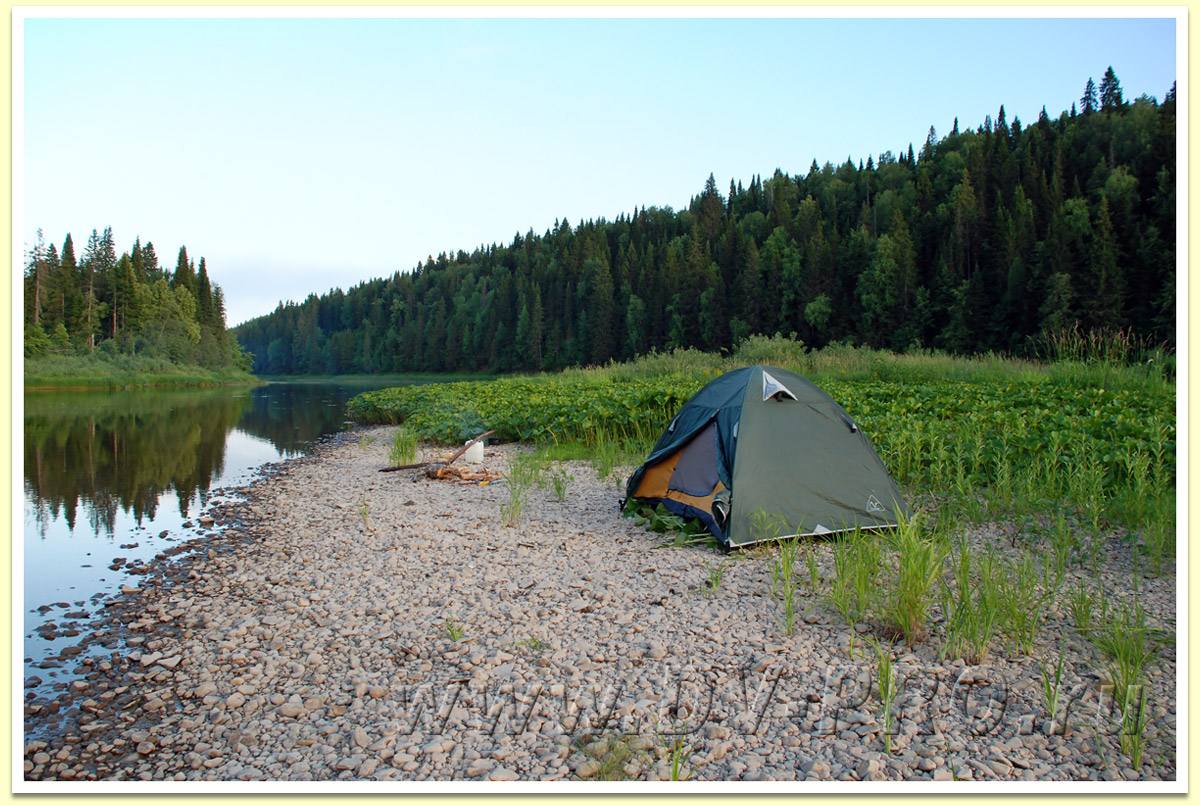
{"type": "Point", "coordinates": [346, 624]}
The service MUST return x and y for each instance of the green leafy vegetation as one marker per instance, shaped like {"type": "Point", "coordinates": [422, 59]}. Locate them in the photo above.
{"type": "Point", "coordinates": [990, 437]}
{"type": "Point", "coordinates": [111, 322]}
{"type": "Point", "coordinates": [680, 531]}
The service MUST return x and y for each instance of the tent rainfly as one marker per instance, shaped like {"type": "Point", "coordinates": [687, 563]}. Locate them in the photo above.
{"type": "Point", "coordinates": [761, 442]}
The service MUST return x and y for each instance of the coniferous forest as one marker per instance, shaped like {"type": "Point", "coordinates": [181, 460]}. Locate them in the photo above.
{"type": "Point", "coordinates": [986, 239]}
{"type": "Point", "coordinates": [103, 305]}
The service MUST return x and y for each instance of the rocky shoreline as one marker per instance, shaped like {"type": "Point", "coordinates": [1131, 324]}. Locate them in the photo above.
{"type": "Point", "coordinates": [348, 624]}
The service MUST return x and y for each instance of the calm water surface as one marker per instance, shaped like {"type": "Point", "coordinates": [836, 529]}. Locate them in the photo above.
{"type": "Point", "coordinates": [112, 479]}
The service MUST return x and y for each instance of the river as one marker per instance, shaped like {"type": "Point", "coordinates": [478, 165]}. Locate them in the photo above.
{"type": "Point", "coordinates": [113, 478]}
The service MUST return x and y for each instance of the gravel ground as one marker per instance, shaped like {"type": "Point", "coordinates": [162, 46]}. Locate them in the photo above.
{"type": "Point", "coordinates": [426, 641]}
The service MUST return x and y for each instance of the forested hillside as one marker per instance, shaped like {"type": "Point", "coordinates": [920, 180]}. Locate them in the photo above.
{"type": "Point", "coordinates": [983, 239]}
{"type": "Point", "coordinates": [105, 305]}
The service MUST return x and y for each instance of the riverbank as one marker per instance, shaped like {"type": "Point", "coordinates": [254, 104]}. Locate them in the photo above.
{"type": "Point", "coordinates": [351, 624]}
{"type": "Point", "coordinates": [63, 373]}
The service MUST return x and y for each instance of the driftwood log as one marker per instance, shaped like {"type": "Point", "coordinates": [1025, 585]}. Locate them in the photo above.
{"type": "Point", "coordinates": [433, 465]}
{"type": "Point", "coordinates": [442, 472]}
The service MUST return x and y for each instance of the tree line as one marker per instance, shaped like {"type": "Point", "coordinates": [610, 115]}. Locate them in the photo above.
{"type": "Point", "coordinates": [110, 305]}
{"type": "Point", "coordinates": [983, 239]}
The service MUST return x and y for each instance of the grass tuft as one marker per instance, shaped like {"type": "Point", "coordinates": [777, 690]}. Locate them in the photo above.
{"type": "Point", "coordinates": [403, 448]}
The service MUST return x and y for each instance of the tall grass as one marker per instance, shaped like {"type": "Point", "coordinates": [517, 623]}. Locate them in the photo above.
{"type": "Point", "coordinates": [403, 447]}
{"type": "Point", "coordinates": [524, 470]}
{"type": "Point", "coordinates": [1128, 647]}
{"type": "Point", "coordinates": [886, 685]}
{"type": "Point", "coordinates": [787, 584]}
{"type": "Point", "coordinates": [971, 604]}
{"type": "Point", "coordinates": [1021, 601]}
{"type": "Point", "coordinates": [907, 599]}
{"type": "Point", "coordinates": [857, 564]}
{"type": "Point", "coordinates": [1052, 689]}
{"type": "Point", "coordinates": [890, 580]}
{"type": "Point", "coordinates": [1104, 355]}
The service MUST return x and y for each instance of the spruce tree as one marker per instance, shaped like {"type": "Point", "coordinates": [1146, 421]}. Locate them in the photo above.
{"type": "Point", "coordinates": [1111, 99]}
{"type": "Point", "coordinates": [107, 267]}
{"type": "Point", "coordinates": [35, 278]}
{"type": "Point", "coordinates": [1103, 303]}
{"type": "Point", "coordinates": [89, 267]}
{"type": "Point", "coordinates": [150, 263]}
{"type": "Point", "coordinates": [1089, 99]}
{"type": "Point", "coordinates": [204, 301]}
{"type": "Point", "coordinates": [184, 276]}
{"type": "Point", "coordinates": [710, 208]}
{"type": "Point", "coordinates": [65, 285]}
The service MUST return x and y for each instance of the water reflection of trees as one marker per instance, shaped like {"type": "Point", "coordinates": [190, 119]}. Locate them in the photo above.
{"type": "Point", "coordinates": [113, 451]}
{"type": "Point", "coordinates": [294, 415]}
{"type": "Point", "coordinates": [107, 452]}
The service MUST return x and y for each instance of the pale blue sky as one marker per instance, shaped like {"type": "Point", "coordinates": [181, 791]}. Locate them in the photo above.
{"type": "Point", "coordinates": [298, 155]}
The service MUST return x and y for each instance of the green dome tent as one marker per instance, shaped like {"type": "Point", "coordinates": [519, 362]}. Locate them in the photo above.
{"type": "Point", "coordinates": [765, 440]}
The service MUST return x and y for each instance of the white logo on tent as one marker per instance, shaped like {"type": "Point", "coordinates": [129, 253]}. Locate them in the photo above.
{"type": "Point", "coordinates": [771, 387]}
{"type": "Point", "coordinates": [873, 504]}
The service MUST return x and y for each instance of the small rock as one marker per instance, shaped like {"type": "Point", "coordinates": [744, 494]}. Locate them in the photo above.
{"type": "Point", "coordinates": [999, 767]}
{"type": "Point", "coordinates": [867, 767]}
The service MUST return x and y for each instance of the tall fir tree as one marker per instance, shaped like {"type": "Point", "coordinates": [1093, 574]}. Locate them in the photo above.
{"type": "Point", "coordinates": [1090, 99]}
{"type": "Point", "coordinates": [1111, 98]}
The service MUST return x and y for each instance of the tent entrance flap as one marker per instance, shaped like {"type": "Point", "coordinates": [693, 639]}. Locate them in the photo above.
{"type": "Point", "coordinates": [687, 480]}
{"type": "Point", "coordinates": [696, 470]}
